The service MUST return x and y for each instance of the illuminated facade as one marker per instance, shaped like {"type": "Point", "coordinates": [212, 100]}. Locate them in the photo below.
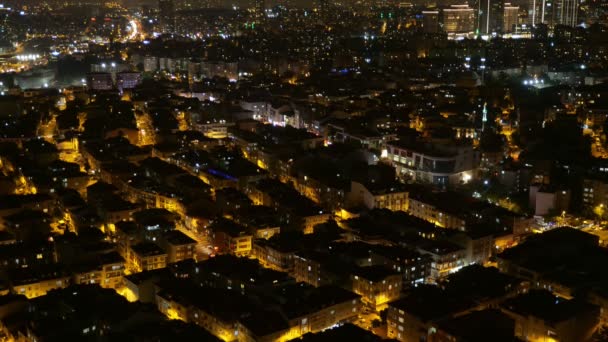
{"type": "Point", "coordinates": [237, 243]}
{"type": "Point", "coordinates": [146, 257]}
{"type": "Point", "coordinates": [309, 270]}
{"type": "Point", "coordinates": [107, 274]}
{"type": "Point", "coordinates": [127, 80]}
{"type": "Point", "coordinates": [554, 12]}
{"type": "Point", "coordinates": [567, 12]}
{"type": "Point", "coordinates": [376, 289]}
{"type": "Point", "coordinates": [391, 198]}
{"type": "Point", "coordinates": [273, 257]}
{"type": "Point", "coordinates": [404, 327]}
{"type": "Point", "coordinates": [178, 246]}
{"type": "Point", "coordinates": [39, 286]}
{"type": "Point", "coordinates": [595, 193]}
{"type": "Point", "coordinates": [434, 164]}
{"type": "Point", "coordinates": [100, 81]}
{"type": "Point", "coordinates": [458, 20]}
{"type": "Point", "coordinates": [446, 257]}
{"type": "Point", "coordinates": [430, 213]}
{"type": "Point", "coordinates": [511, 18]}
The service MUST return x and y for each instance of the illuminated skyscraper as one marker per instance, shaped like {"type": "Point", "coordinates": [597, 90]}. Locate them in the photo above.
{"type": "Point", "coordinates": [566, 12]}
{"type": "Point", "coordinates": [553, 12]}
{"type": "Point", "coordinates": [459, 20]}
{"type": "Point", "coordinates": [536, 12]}
{"type": "Point", "coordinates": [510, 18]}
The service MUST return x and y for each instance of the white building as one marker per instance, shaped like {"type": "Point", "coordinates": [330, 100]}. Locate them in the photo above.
{"type": "Point", "coordinates": [439, 164]}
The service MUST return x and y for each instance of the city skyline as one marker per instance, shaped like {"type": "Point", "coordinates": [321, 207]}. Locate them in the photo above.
{"type": "Point", "coordinates": [273, 171]}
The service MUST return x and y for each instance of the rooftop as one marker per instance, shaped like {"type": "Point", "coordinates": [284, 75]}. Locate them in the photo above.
{"type": "Point", "coordinates": [346, 332]}
{"type": "Point", "coordinates": [147, 249]}
{"type": "Point", "coordinates": [430, 303]}
{"type": "Point", "coordinates": [175, 237]}
{"type": "Point", "coordinates": [374, 273]}
{"type": "Point", "coordinates": [544, 305]}
{"type": "Point", "coordinates": [242, 269]}
{"type": "Point", "coordinates": [480, 326]}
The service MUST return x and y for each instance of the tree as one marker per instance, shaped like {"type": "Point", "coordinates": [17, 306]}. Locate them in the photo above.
{"type": "Point", "coordinates": [599, 210]}
{"type": "Point", "coordinates": [384, 315]}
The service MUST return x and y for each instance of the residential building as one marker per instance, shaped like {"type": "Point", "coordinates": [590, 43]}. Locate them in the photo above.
{"type": "Point", "coordinates": [178, 246]}
{"type": "Point", "coordinates": [377, 285]}
{"type": "Point", "coordinates": [436, 164]}
{"type": "Point", "coordinates": [146, 256]}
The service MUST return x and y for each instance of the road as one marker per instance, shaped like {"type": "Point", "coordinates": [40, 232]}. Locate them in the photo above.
{"type": "Point", "coordinates": [202, 242]}
{"type": "Point", "coordinates": [366, 317]}
{"type": "Point", "coordinates": [135, 30]}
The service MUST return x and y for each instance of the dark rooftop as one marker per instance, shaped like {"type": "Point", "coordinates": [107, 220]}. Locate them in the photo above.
{"type": "Point", "coordinates": [481, 326]}
{"type": "Point", "coordinates": [146, 249]}
{"type": "Point", "coordinates": [544, 305]}
{"type": "Point", "coordinates": [374, 273]}
{"type": "Point", "coordinates": [175, 237]}
{"type": "Point", "coordinates": [346, 332]}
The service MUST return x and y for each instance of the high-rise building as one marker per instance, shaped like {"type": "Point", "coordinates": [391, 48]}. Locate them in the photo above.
{"type": "Point", "coordinates": [491, 16]}
{"type": "Point", "coordinates": [100, 81]}
{"type": "Point", "coordinates": [166, 9]}
{"type": "Point", "coordinates": [510, 18]}
{"type": "Point", "coordinates": [128, 80]}
{"type": "Point", "coordinates": [566, 12]}
{"type": "Point", "coordinates": [553, 12]}
{"type": "Point", "coordinates": [536, 12]}
{"type": "Point", "coordinates": [458, 20]}
{"type": "Point", "coordinates": [430, 21]}
{"type": "Point", "coordinates": [259, 9]}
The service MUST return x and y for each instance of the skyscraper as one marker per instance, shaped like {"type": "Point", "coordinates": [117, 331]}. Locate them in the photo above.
{"type": "Point", "coordinates": [553, 12]}
{"type": "Point", "coordinates": [458, 20]}
{"type": "Point", "coordinates": [566, 12]}
{"type": "Point", "coordinates": [536, 12]}
{"type": "Point", "coordinates": [491, 16]}
{"type": "Point", "coordinates": [259, 9]}
{"type": "Point", "coordinates": [430, 21]}
{"type": "Point", "coordinates": [510, 18]}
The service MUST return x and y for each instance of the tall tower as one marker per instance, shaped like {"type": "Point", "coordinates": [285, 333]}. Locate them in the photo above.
{"type": "Point", "coordinates": [554, 12]}
{"type": "Point", "coordinates": [536, 12]}
{"type": "Point", "coordinates": [484, 117]}
{"type": "Point", "coordinates": [566, 12]}
{"type": "Point", "coordinates": [491, 16]}
{"type": "Point", "coordinates": [458, 20]}
{"type": "Point", "coordinates": [510, 18]}
{"type": "Point", "coordinates": [166, 9]}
